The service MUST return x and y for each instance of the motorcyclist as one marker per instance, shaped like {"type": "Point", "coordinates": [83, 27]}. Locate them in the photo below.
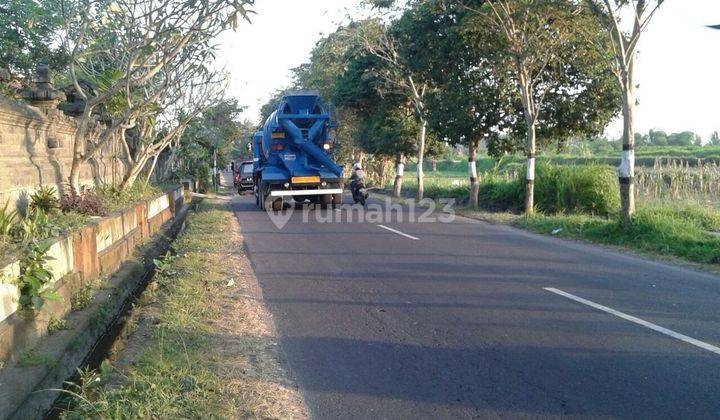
{"type": "Point", "coordinates": [357, 175]}
{"type": "Point", "coordinates": [357, 183]}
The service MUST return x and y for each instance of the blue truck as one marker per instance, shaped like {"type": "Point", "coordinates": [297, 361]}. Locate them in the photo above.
{"type": "Point", "coordinates": [292, 155]}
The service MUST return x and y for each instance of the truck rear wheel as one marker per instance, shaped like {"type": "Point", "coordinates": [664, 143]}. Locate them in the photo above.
{"type": "Point", "coordinates": [337, 200]}
{"type": "Point", "coordinates": [269, 203]}
{"type": "Point", "coordinates": [325, 201]}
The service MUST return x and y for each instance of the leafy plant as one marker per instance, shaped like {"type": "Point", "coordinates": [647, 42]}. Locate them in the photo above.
{"type": "Point", "coordinates": [162, 266]}
{"type": "Point", "coordinates": [86, 202]}
{"type": "Point", "coordinates": [7, 221]}
{"type": "Point", "coordinates": [35, 277]}
{"type": "Point", "coordinates": [36, 226]}
{"type": "Point", "coordinates": [56, 324]}
{"type": "Point", "coordinates": [45, 199]}
{"type": "Point", "coordinates": [83, 296]}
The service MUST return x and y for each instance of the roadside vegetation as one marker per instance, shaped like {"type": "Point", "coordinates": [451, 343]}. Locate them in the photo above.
{"type": "Point", "coordinates": [180, 362]}
{"type": "Point", "coordinates": [689, 232]}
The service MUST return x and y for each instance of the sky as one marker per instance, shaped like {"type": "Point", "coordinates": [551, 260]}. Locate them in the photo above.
{"type": "Point", "coordinates": [678, 68]}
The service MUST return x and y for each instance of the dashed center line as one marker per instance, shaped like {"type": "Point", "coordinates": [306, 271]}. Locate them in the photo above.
{"type": "Point", "coordinates": [682, 337]}
{"type": "Point", "coordinates": [399, 233]}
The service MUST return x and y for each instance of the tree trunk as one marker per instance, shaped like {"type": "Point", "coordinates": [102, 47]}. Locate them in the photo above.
{"type": "Point", "coordinates": [472, 170]}
{"type": "Point", "coordinates": [530, 174]}
{"type": "Point", "coordinates": [79, 141]}
{"type": "Point", "coordinates": [133, 173]}
{"type": "Point", "coordinates": [421, 161]}
{"type": "Point", "coordinates": [626, 171]}
{"type": "Point", "coordinates": [400, 171]}
{"type": "Point", "coordinates": [152, 169]}
{"type": "Point", "coordinates": [383, 172]}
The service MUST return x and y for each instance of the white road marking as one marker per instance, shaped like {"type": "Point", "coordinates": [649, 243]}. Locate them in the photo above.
{"type": "Point", "coordinates": [646, 324]}
{"type": "Point", "coordinates": [399, 233]}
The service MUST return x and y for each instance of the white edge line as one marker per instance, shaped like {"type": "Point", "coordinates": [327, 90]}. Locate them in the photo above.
{"type": "Point", "coordinates": [399, 233]}
{"type": "Point", "coordinates": [646, 324]}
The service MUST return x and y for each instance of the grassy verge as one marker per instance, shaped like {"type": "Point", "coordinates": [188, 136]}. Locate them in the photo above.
{"type": "Point", "coordinates": [688, 232]}
{"type": "Point", "coordinates": [184, 360]}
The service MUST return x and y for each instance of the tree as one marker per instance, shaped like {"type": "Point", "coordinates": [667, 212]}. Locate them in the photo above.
{"type": "Point", "coordinates": [467, 104]}
{"type": "Point", "coordinates": [548, 58]}
{"type": "Point", "coordinates": [28, 35]}
{"type": "Point", "coordinates": [130, 50]}
{"type": "Point", "coordinates": [399, 76]}
{"type": "Point", "coordinates": [212, 135]}
{"type": "Point", "coordinates": [193, 89]}
{"type": "Point", "coordinates": [685, 138]}
{"type": "Point", "coordinates": [622, 44]}
{"type": "Point", "coordinates": [388, 132]}
{"type": "Point", "coordinates": [658, 138]}
{"type": "Point", "coordinates": [715, 138]}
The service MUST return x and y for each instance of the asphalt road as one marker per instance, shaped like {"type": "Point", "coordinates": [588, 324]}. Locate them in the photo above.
{"type": "Point", "coordinates": [453, 320]}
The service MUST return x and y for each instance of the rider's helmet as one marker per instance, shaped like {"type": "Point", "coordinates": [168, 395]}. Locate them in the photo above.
{"type": "Point", "coordinates": [357, 167]}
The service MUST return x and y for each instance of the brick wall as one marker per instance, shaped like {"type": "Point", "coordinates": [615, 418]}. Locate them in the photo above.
{"type": "Point", "coordinates": [36, 149]}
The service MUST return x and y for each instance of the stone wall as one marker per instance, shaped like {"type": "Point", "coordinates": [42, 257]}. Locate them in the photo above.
{"type": "Point", "coordinates": [36, 149]}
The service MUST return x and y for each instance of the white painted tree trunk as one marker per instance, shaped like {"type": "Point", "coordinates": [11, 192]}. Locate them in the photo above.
{"type": "Point", "coordinates": [472, 171]}
{"type": "Point", "coordinates": [626, 171]}
{"type": "Point", "coordinates": [421, 160]}
{"type": "Point", "coordinates": [399, 173]}
{"type": "Point", "coordinates": [530, 173]}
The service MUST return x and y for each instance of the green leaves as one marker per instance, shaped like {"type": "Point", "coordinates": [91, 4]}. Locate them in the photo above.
{"type": "Point", "coordinates": [7, 222]}
{"type": "Point", "coordinates": [35, 278]}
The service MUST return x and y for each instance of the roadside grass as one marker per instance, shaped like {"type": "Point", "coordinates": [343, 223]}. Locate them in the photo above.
{"type": "Point", "coordinates": [686, 231]}
{"type": "Point", "coordinates": [173, 377]}
{"type": "Point", "coordinates": [34, 358]}
{"type": "Point", "coordinates": [175, 370]}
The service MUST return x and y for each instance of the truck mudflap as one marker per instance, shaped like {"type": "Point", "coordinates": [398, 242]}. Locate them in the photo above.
{"type": "Point", "coordinates": [291, 193]}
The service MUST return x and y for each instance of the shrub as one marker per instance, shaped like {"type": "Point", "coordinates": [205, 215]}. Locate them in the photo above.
{"type": "Point", "coordinates": [685, 231]}
{"type": "Point", "coordinates": [591, 189]}
{"type": "Point", "coordinates": [116, 198]}
{"type": "Point", "coordinates": [87, 202]}
{"type": "Point", "coordinates": [501, 194]}
{"type": "Point", "coordinates": [56, 324]}
{"type": "Point", "coordinates": [45, 199]}
{"type": "Point", "coordinates": [83, 296]}
{"type": "Point", "coordinates": [36, 226]}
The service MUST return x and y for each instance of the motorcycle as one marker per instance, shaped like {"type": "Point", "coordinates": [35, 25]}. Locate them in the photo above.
{"type": "Point", "coordinates": [359, 192]}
